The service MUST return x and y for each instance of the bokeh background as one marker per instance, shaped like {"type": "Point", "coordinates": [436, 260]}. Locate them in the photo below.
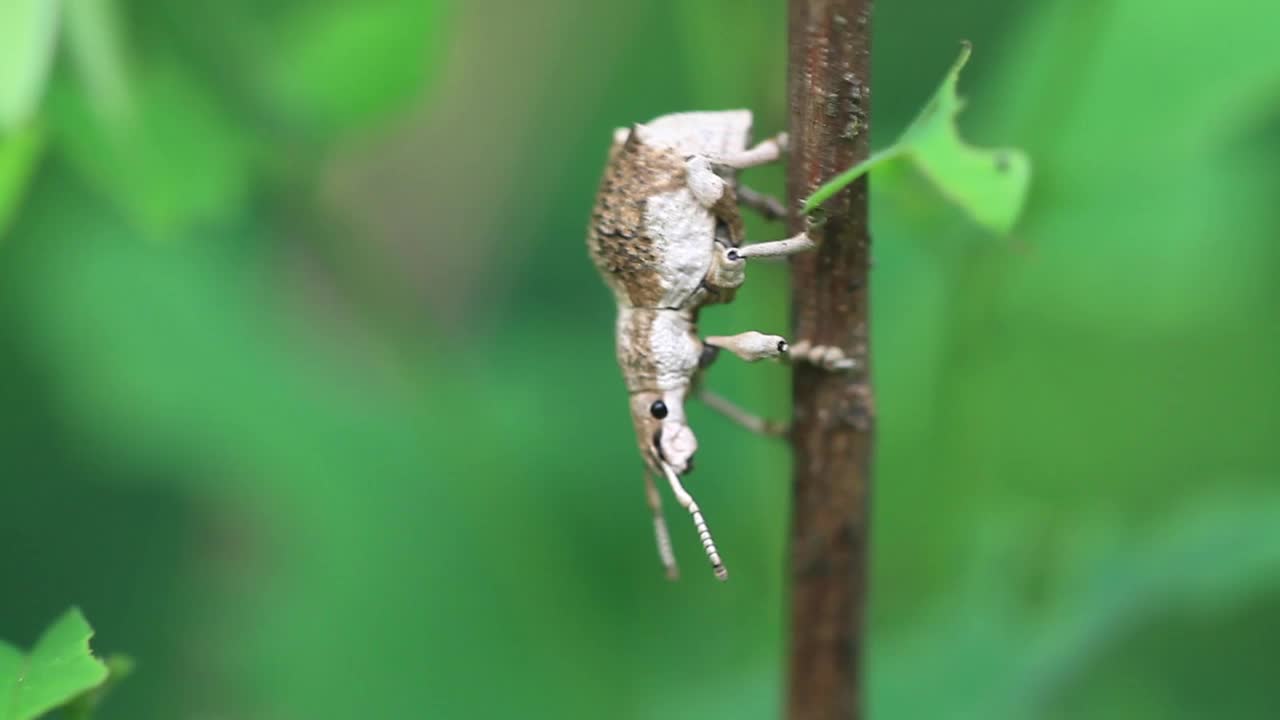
{"type": "Point", "coordinates": [307, 394]}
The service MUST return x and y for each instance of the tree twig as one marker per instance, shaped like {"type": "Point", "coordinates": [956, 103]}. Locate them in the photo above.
{"type": "Point", "coordinates": [830, 97]}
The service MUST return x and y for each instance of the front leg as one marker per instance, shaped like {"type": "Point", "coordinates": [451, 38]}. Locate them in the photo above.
{"type": "Point", "coordinates": [752, 346]}
{"type": "Point", "coordinates": [827, 357]}
{"type": "Point", "coordinates": [749, 346]}
{"type": "Point", "coordinates": [660, 533]}
{"type": "Point", "coordinates": [750, 421]}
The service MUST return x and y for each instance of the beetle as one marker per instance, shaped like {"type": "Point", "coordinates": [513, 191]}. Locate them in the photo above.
{"type": "Point", "coordinates": [666, 235]}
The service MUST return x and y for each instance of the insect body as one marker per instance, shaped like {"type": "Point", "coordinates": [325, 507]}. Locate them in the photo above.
{"type": "Point", "coordinates": [666, 236]}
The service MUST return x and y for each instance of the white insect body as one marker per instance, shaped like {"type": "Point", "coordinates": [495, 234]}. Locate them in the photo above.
{"type": "Point", "coordinates": [666, 236]}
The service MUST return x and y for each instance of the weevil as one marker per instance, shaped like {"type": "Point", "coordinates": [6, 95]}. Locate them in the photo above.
{"type": "Point", "coordinates": [667, 237]}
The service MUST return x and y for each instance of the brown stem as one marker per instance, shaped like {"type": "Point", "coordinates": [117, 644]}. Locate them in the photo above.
{"type": "Point", "coordinates": [829, 83]}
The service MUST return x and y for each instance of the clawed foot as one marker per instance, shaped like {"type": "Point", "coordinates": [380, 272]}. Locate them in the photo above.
{"type": "Point", "coordinates": [827, 357]}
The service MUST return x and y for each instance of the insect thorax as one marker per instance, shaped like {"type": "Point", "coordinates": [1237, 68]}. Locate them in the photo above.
{"type": "Point", "coordinates": [658, 350]}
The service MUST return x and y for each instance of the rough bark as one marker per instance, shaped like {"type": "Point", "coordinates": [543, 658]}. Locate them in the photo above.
{"type": "Point", "coordinates": [829, 86]}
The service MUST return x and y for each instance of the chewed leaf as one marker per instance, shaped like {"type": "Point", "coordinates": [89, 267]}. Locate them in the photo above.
{"type": "Point", "coordinates": [989, 184]}
{"type": "Point", "coordinates": [83, 706]}
{"type": "Point", "coordinates": [57, 669]}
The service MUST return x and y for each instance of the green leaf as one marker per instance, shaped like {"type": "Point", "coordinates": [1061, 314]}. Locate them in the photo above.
{"type": "Point", "coordinates": [57, 669]}
{"type": "Point", "coordinates": [28, 34]}
{"type": "Point", "coordinates": [991, 185]}
{"type": "Point", "coordinates": [19, 154]}
{"type": "Point", "coordinates": [94, 38]}
{"type": "Point", "coordinates": [83, 706]}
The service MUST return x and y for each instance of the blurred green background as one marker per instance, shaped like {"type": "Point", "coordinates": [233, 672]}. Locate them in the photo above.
{"type": "Point", "coordinates": [308, 396]}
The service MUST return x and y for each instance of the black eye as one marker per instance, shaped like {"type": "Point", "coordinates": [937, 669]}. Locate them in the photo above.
{"type": "Point", "coordinates": [658, 409]}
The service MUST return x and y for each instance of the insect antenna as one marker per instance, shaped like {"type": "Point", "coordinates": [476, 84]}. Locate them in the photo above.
{"type": "Point", "coordinates": [699, 523]}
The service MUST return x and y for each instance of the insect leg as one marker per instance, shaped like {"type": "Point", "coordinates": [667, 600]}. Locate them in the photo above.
{"type": "Point", "coordinates": [754, 423]}
{"type": "Point", "coordinates": [660, 533]}
{"type": "Point", "coordinates": [750, 345]}
{"type": "Point", "coordinates": [769, 207]}
{"type": "Point", "coordinates": [762, 154]}
{"type": "Point", "coordinates": [828, 357]}
{"type": "Point", "coordinates": [699, 523]}
{"type": "Point", "coordinates": [777, 248]}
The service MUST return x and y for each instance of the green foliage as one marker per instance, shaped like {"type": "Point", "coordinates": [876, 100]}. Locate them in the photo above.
{"type": "Point", "coordinates": [57, 670]}
{"type": "Point", "coordinates": [995, 660]}
{"type": "Point", "coordinates": [28, 35]}
{"type": "Point", "coordinates": [174, 163]}
{"type": "Point", "coordinates": [94, 37]}
{"type": "Point", "coordinates": [362, 403]}
{"type": "Point", "coordinates": [29, 30]}
{"type": "Point", "coordinates": [991, 185]}
{"type": "Point", "coordinates": [345, 65]}
{"type": "Point", "coordinates": [991, 657]}
{"type": "Point", "coordinates": [85, 705]}
{"type": "Point", "coordinates": [19, 153]}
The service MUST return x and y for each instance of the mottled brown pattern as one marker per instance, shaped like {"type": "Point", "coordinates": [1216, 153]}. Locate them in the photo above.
{"type": "Point", "coordinates": [634, 356]}
{"type": "Point", "coordinates": [726, 209]}
{"type": "Point", "coordinates": [618, 240]}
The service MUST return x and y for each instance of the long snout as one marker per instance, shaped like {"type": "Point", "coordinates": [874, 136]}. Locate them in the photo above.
{"type": "Point", "coordinates": [678, 445]}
